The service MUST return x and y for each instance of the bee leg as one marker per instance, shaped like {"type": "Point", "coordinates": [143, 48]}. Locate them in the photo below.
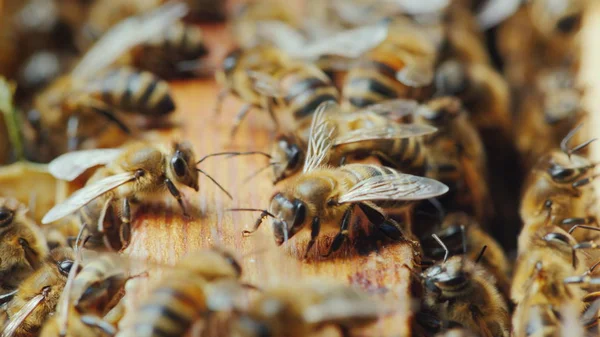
{"type": "Point", "coordinates": [584, 181]}
{"type": "Point", "coordinates": [315, 228]}
{"type": "Point", "coordinates": [580, 223]}
{"type": "Point", "coordinates": [125, 230]}
{"type": "Point", "coordinates": [97, 322]}
{"type": "Point", "coordinates": [269, 108]}
{"type": "Point", "coordinates": [72, 138]}
{"type": "Point", "coordinates": [100, 224]}
{"type": "Point", "coordinates": [257, 224]}
{"type": "Point", "coordinates": [220, 98]}
{"type": "Point", "coordinates": [341, 236]}
{"type": "Point", "coordinates": [239, 117]}
{"type": "Point", "coordinates": [175, 192]}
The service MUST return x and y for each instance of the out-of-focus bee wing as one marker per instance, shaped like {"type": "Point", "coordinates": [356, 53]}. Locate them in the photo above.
{"type": "Point", "coordinates": [86, 194]}
{"type": "Point", "coordinates": [341, 309]}
{"type": "Point", "coordinates": [395, 108]}
{"type": "Point", "coordinates": [351, 43]}
{"type": "Point", "coordinates": [397, 186]}
{"type": "Point", "coordinates": [265, 84]}
{"type": "Point", "coordinates": [321, 136]}
{"type": "Point", "coordinates": [72, 164]}
{"type": "Point", "coordinates": [415, 7]}
{"type": "Point", "coordinates": [496, 11]}
{"type": "Point", "coordinates": [416, 74]}
{"type": "Point", "coordinates": [282, 35]}
{"type": "Point", "coordinates": [127, 34]}
{"type": "Point", "coordinates": [21, 315]}
{"type": "Point", "coordinates": [396, 132]}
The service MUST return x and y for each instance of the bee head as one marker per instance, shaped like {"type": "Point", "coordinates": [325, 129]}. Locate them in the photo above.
{"type": "Point", "coordinates": [291, 215]}
{"type": "Point", "coordinates": [441, 110]}
{"type": "Point", "coordinates": [216, 263]}
{"type": "Point", "coordinates": [182, 165]}
{"type": "Point", "coordinates": [6, 216]}
{"type": "Point", "coordinates": [451, 276]}
{"type": "Point", "coordinates": [63, 259]}
{"type": "Point", "coordinates": [564, 169]}
{"type": "Point", "coordinates": [553, 18]}
{"type": "Point", "coordinates": [287, 157]}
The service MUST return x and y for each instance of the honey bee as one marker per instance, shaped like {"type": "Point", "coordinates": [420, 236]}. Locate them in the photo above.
{"type": "Point", "coordinates": [22, 247]}
{"type": "Point", "coordinates": [89, 91]}
{"type": "Point", "coordinates": [79, 325]}
{"type": "Point", "coordinates": [402, 66]}
{"type": "Point", "coordinates": [201, 283]}
{"type": "Point", "coordinates": [329, 196]}
{"type": "Point", "coordinates": [38, 294]}
{"type": "Point", "coordinates": [547, 114]}
{"type": "Point", "coordinates": [468, 289]}
{"type": "Point", "coordinates": [131, 173]}
{"type": "Point", "coordinates": [361, 133]}
{"type": "Point", "coordinates": [558, 188]}
{"type": "Point", "coordinates": [266, 79]}
{"type": "Point", "coordinates": [462, 234]}
{"type": "Point", "coordinates": [302, 309]}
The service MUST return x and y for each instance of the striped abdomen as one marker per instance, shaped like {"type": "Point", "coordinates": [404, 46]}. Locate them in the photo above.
{"type": "Point", "coordinates": [373, 79]}
{"type": "Point", "coordinates": [99, 285]}
{"type": "Point", "coordinates": [171, 309]}
{"type": "Point", "coordinates": [356, 173]}
{"type": "Point", "coordinates": [183, 40]}
{"type": "Point", "coordinates": [137, 91]}
{"type": "Point", "coordinates": [305, 88]}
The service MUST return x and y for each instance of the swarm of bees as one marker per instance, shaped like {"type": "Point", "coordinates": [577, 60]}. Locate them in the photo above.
{"type": "Point", "coordinates": [444, 126]}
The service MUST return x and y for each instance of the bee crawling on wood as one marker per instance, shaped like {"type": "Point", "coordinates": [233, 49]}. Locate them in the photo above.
{"type": "Point", "coordinates": [330, 196]}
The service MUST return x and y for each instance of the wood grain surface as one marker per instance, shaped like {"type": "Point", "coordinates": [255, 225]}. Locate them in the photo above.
{"type": "Point", "coordinates": [163, 235]}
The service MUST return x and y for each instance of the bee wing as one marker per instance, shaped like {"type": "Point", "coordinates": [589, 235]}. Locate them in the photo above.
{"type": "Point", "coordinates": [342, 309]}
{"type": "Point", "coordinates": [321, 136]}
{"type": "Point", "coordinates": [496, 11]}
{"type": "Point", "coordinates": [86, 194]}
{"type": "Point", "coordinates": [264, 83]}
{"type": "Point", "coordinates": [21, 315]}
{"type": "Point", "coordinates": [284, 36]}
{"type": "Point", "coordinates": [350, 43]}
{"type": "Point", "coordinates": [127, 34]}
{"type": "Point", "coordinates": [392, 108]}
{"type": "Point", "coordinates": [396, 132]}
{"type": "Point", "coordinates": [416, 74]}
{"type": "Point", "coordinates": [72, 164]}
{"type": "Point", "coordinates": [397, 186]}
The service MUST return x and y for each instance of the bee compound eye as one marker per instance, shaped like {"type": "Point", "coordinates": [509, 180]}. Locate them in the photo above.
{"type": "Point", "coordinates": [65, 266]}
{"type": "Point", "coordinates": [179, 166]}
{"type": "Point", "coordinates": [6, 216]}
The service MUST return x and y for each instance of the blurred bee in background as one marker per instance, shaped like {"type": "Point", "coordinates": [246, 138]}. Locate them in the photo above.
{"type": "Point", "coordinates": [164, 54]}
{"type": "Point", "coordinates": [208, 10]}
{"type": "Point", "coordinates": [22, 245]}
{"type": "Point", "coordinates": [132, 174]}
{"type": "Point", "coordinates": [302, 309]}
{"type": "Point", "coordinates": [462, 234]}
{"type": "Point", "coordinates": [372, 131]}
{"type": "Point", "coordinates": [558, 189]}
{"type": "Point", "coordinates": [547, 114]}
{"type": "Point", "coordinates": [462, 291]}
{"type": "Point", "coordinates": [36, 297]}
{"type": "Point", "coordinates": [329, 196]}
{"type": "Point", "coordinates": [70, 109]}
{"type": "Point", "coordinates": [198, 287]}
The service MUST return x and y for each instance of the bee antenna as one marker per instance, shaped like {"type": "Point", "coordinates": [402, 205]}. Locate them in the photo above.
{"type": "Point", "coordinates": [591, 270]}
{"type": "Point", "coordinates": [481, 254]}
{"type": "Point", "coordinates": [584, 227]}
{"type": "Point", "coordinates": [216, 183]}
{"type": "Point", "coordinates": [446, 251]}
{"type": "Point", "coordinates": [464, 239]}
{"type": "Point", "coordinates": [232, 154]}
{"type": "Point", "coordinates": [251, 210]}
{"type": "Point", "coordinates": [564, 144]}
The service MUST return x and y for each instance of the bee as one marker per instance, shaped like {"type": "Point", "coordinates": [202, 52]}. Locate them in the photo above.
{"type": "Point", "coordinates": [36, 297]}
{"type": "Point", "coordinates": [131, 173]}
{"type": "Point", "coordinates": [304, 308]}
{"type": "Point", "coordinates": [328, 196]}
{"type": "Point", "coordinates": [558, 188]}
{"type": "Point", "coordinates": [361, 133]}
{"type": "Point", "coordinates": [402, 66]}
{"type": "Point", "coordinates": [203, 282]}
{"type": "Point", "coordinates": [267, 79]}
{"type": "Point", "coordinates": [462, 234]}
{"type": "Point", "coordinates": [465, 291]}
{"type": "Point", "coordinates": [79, 325]}
{"type": "Point", "coordinates": [90, 93]}
{"type": "Point", "coordinates": [548, 114]}
{"type": "Point", "coordinates": [22, 245]}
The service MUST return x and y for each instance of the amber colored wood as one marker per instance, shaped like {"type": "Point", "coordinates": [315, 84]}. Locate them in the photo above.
{"type": "Point", "coordinates": [163, 235]}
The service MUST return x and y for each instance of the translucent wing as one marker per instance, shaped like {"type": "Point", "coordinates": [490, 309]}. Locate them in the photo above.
{"type": "Point", "coordinates": [396, 108]}
{"type": "Point", "coordinates": [88, 193]}
{"type": "Point", "coordinates": [496, 11]}
{"type": "Point", "coordinates": [351, 43]}
{"type": "Point", "coordinates": [21, 315]}
{"type": "Point", "coordinates": [416, 74]}
{"type": "Point", "coordinates": [397, 186]}
{"type": "Point", "coordinates": [127, 34]}
{"type": "Point", "coordinates": [71, 165]}
{"type": "Point", "coordinates": [398, 131]}
{"type": "Point", "coordinates": [320, 137]}
{"type": "Point", "coordinates": [282, 35]}
{"type": "Point", "coordinates": [265, 84]}
{"type": "Point", "coordinates": [342, 309]}
{"type": "Point", "coordinates": [421, 7]}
